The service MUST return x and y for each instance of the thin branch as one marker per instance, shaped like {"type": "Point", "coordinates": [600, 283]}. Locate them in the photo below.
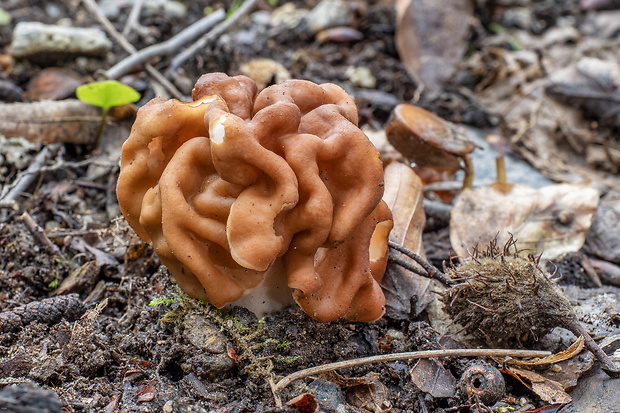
{"type": "Point", "coordinates": [39, 235]}
{"type": "Point", "coordinates": [216, 32]}
{"type": "Point", "coordinates": [500, 353]}
{"type": "Point", "coordinates": [23, 181]}
{"type": "Point", "coordinates": [96, 11]}
{"type": "Point", "coordinates": [429, 271]}
{"type": "Point", "coordinates": [169, 46]}
{"type": "Point", "coordinates": [133, 19]}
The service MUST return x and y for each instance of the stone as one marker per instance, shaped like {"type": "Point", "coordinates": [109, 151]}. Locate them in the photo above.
{"type": "Point", "coordinates": [33, 39]}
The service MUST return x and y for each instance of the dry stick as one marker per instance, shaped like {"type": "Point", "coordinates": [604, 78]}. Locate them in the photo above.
{"type": "Point", "coordinates": [39, 235]}
{"type": "Point", "coordinates": [132, 20]}
{"type": "Point", "coordinates": [428, 270]}
{"type": "Point", "coordinates": [169, 46]}
{"type": "Point", "coordinates": [217, 31]}
{"type": "Point", "coordinates": [24, 180]}
{"type": "Point", "coordinates": [96, 11]}
{"type": "Point", "coordinates": [474, 352]}
{"type": "Point", "coordinates": [607, 364]}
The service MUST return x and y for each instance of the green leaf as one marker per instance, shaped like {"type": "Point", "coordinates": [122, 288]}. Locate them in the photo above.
{"type": "Point", "coordinates": [5, 17]}
{"type": "Point", "coordinates": [107, 94]}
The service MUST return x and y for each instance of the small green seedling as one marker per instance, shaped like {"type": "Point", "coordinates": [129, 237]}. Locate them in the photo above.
{"type": "Point", "coordinates": [5, 17]}
{"type": "Point", "coordinates": [106, 94]}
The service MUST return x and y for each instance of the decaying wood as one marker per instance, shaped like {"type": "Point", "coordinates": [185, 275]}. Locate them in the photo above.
{"type": "Point", "coordinates": [66, 121]}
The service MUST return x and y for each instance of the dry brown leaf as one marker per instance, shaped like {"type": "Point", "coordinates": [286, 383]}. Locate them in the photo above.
{"type": "Point", "coordinates": [403, 194]}
{"type": "Point", "coordinates": [54, 83]}
{"type": "Point", "coordinates": [552, 220]}
{"type": "Point", "coordinates": [305, 403]}
{"type": "Point", "coordinates": [568, 372]}
{"type": "Point", "coordinates": [431, 37]}
{"type": "Point", "coordinates": [570, 352]}
{"type": "Point", "coordinates": [433, 378]}
{"type": "Point", "coordinates": [370, 397]}
{"type": "Point", "coordinates": [548, 390]}
{"type": "Point", "coordinates": [69, 121]}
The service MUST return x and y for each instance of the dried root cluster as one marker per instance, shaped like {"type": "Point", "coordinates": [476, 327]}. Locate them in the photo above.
{"type": "Point", "coordinates": [505, 298]}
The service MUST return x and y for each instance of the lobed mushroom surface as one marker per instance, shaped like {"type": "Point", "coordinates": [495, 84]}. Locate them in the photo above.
{"type": "Point", "coordinates": [235, 183]}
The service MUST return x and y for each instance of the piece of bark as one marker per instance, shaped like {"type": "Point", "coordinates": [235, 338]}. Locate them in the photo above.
{"type": "Point", "coordinates": [68, 121]}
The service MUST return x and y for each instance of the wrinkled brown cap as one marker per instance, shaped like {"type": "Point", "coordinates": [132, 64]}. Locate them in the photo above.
{"type": "Point", "coordinates": [227, 184]}
{"type": "Point", "coordinates": [427, 139]}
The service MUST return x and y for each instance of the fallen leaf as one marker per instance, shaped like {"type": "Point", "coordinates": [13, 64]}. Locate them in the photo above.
{"type": "Point", "coordinates": [570, 352]}
{"type": "Point", "coordinates": [568, 372]}
{"type": "Point", "coordinates": [81, 279]}
{"type": "Point", "coordinates": [373, 397]}
{"type": "Point", "coordinates": [431, 38]}
{"type": "Point", "coordinates": [552, 220]}
{"type": "Point", "coordinates": [54, 83]}
{"type": "Point", "coordinates": [305, 403]}
{"type": "Point", "coordinates": [548, 390]}
{"type": "Point", "coordinates": [431, 377]}
{"type": "Point", "coordinates": [403, 194]}
{"type": "Point", "coordinates": [146, 393]}
{"type": "Point", "coordinates": [603, 238]}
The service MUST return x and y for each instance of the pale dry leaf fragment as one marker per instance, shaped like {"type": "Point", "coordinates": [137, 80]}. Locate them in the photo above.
{"type": "Point", "coordinates": [552, 220]}
{"type": "Point", "coordinates": [570, 352]}
{"type": "Point", "coordinates": [66, 121]}
{"type": "Point", "coordinates": [432, 377]}
{"type": "Point", "coordinates": [548, 390]}
{"type": "Point", "coordinates": [431, 37]}
{"type": "Point", "coordinates": [403, 194]}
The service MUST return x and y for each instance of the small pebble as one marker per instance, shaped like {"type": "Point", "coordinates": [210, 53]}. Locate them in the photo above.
{"type": "Point", "coordinates": [168, 407]}
{"type": "Point", "coordinates": [361, 77]}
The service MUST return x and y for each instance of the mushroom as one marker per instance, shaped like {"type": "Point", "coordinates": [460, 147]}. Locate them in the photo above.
{"type": "Point", "coordinates": [237, 189]}
{"type": "Point", "coordinates": [428, 140]}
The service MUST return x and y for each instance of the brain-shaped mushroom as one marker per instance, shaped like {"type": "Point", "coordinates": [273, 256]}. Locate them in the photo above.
{"type": "Point", "coordinates": [232, 182]}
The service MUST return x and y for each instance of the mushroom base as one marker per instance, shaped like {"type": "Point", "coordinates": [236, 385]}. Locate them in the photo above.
{"type": "Point", "coordinates": [272, 295]}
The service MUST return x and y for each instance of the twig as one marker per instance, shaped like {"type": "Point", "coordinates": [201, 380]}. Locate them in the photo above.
{"type": "Point", "coordinates": [96, 11]}
{"type": "Point", "coordinates": [39, 235]}
{"type": "Point", "coordinates": [607, 364]}
{"type": "Point", "coordinates": [23, 181]}
{"type": "Point", "coordinates": [216, 32]}
{"type": "Point", "coordinates": [133, 19]}
{"type": "Point", "coordinates": [169, 46]}
{"type": "Point", "coordinates": [276, 387]}
{"type": "Point", "coordinates": [427, 270]}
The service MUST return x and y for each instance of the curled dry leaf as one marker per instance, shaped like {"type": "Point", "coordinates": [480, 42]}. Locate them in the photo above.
{"type": "Point", "coordinates": [68, 121]}
{"type": "Point", "coordinates": [304, 403]}
{"type": "Point", "coordinates": [552, 220]}
{"type": "Point", "coordinates": [431, 37]}
{"type": "Point", "coordinates": [548, 390]}
{"type": "Point", "coordinates": [403, 194]}
{"type": "Point", "coordinates": [570, 352]}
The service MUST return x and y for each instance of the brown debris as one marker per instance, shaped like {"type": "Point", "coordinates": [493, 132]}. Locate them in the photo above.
{"type": "Point", "coordinates": [47, 311]}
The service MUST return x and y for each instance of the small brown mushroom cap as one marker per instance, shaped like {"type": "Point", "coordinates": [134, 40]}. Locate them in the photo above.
{"type": "Point", "coordinates": [427, 139]}
{"type": "Point", "coordinates": [232, 183]}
